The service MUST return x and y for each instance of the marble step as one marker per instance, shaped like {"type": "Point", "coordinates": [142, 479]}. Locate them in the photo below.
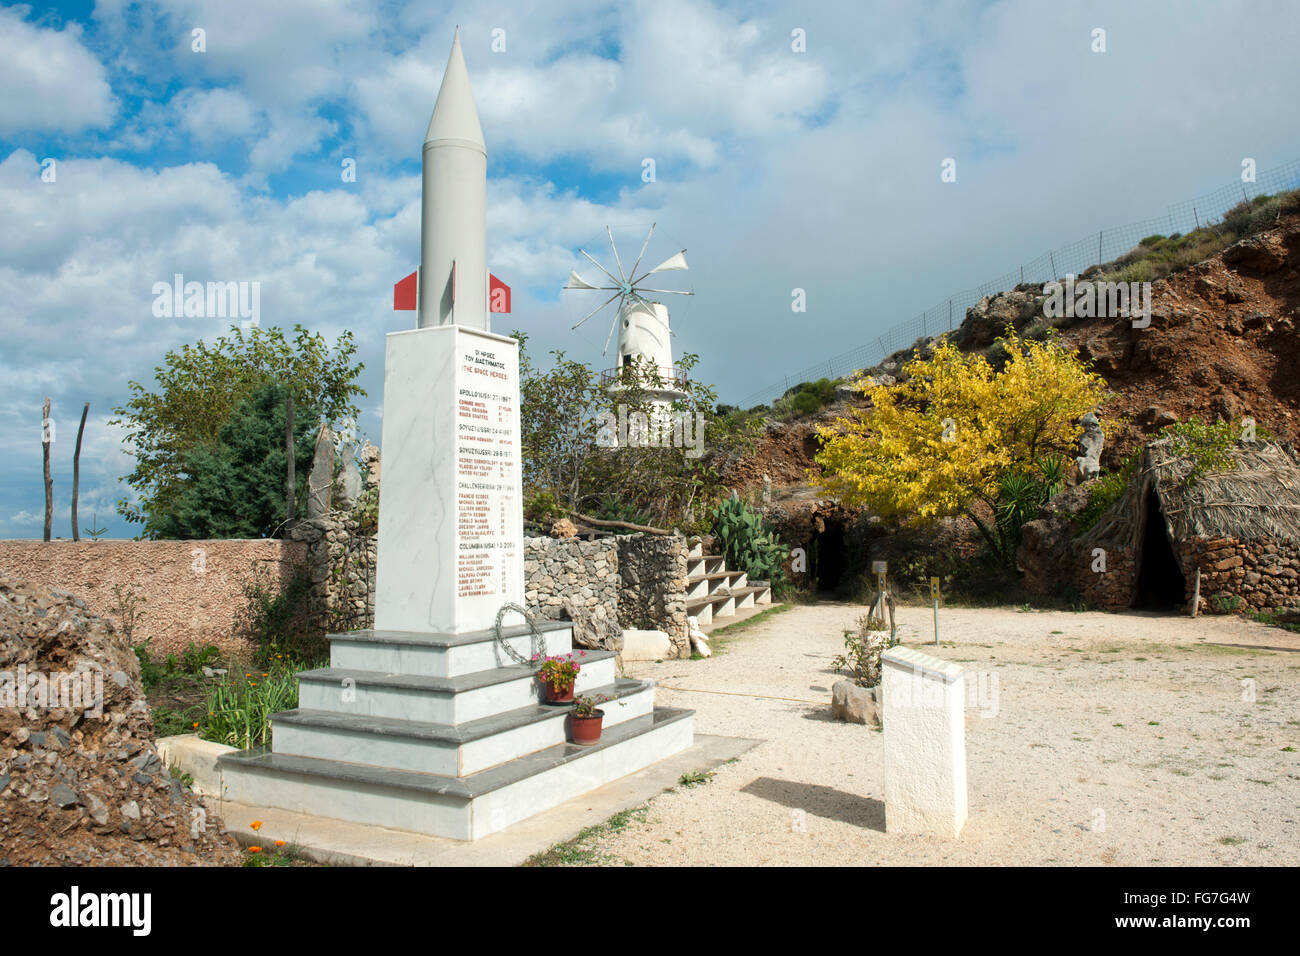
{"type": "Point", "coordinates": [438, 700]}
{"type": "Point", "coordinates": [444, 655]}
{"type": "Point", "coordinates": [453, 751]}
{"type": "Point", "coordinates": [703, 585]}
{"type": "Point", "coordinates": [462, 808]}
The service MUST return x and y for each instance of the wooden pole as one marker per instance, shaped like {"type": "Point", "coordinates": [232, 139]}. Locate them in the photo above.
{"type": "Point", "coordinates": [76, 472]}
{"type": "Point", "coordinates": [1196, 594]}
{"type": "Point", "coordinates": [46, 437]}
{"type": "Point", "coordinates": [289, 478]}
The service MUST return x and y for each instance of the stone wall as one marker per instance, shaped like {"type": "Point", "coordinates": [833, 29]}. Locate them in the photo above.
{"type": "Point", "coordinates": [341, 562]}
{"type": "Point", "coordinates": [653, 591]}
{"type": "Point", "coordinates": [1263, 574]}
{"type": "Point", "coordinates": [586, 572]}
{"type": "Point", "coordinates": [187, 590]}
{"type": "Point", "coordinates": [193, 590]}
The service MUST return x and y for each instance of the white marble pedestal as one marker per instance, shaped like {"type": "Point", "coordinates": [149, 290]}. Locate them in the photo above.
{"type": "Point", "coordinates": [427, 722]}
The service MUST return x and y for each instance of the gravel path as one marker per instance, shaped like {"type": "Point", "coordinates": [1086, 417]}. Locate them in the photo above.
{"type": "Point", "coordinates": [1117, 739]}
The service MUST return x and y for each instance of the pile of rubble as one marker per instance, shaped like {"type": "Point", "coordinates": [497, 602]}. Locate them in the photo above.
{"type": "Point", "coordinates": [81, 782]}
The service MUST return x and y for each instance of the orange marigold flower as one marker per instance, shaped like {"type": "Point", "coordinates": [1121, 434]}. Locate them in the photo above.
{"type": "Point", "coordinates": [279, 843]}
{"type": "Point", "coordinates": [254, 849]}
{"type": "Point", "coordinates": [256, 824]}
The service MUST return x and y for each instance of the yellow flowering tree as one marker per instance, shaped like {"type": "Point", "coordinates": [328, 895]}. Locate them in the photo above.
{"type": "Point", "coordinates": [951, 435]}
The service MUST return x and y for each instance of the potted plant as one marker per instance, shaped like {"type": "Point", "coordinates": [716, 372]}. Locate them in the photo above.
{"type": "Point", "coordinates": [558, 675]}
{"type": "Point", "coordinates": [586, 719]}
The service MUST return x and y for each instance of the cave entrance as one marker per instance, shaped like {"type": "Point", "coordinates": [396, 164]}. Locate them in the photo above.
{"type": "Point", "coordinates": [1160, 584]}
{"type": "Point", "coordinates": [829, 559]}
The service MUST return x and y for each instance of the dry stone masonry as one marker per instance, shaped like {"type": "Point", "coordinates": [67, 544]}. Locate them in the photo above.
{"type": "Point", "coordinates": [654, 584]}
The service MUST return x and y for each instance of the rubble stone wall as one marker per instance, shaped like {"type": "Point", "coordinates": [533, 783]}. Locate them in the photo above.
{"type": "Point", "coordinates": [653, 591]}
{"type": "Point", "coordinates": [1263, 574]}
{"type": "Point", "coordinates": [586, 572]}
{"type": "Point", "coordinates": [341, 562]}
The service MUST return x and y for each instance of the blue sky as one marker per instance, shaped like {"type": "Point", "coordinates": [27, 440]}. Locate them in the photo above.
{"type": "Point", "coordinates": [777, 169]}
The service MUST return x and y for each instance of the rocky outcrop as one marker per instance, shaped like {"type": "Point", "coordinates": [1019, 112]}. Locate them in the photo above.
{"type": "Point", "coordinates": [81, 781]}
{"type": "Point", "coordinates": [987, 320]}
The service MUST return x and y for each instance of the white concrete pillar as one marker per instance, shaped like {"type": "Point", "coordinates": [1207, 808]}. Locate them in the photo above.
{"type": "Point", "coordinates": [925, 743]}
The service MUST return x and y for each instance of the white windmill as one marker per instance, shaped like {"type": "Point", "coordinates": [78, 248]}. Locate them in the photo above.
{"type": "Point", "coordinates": [644, 336]}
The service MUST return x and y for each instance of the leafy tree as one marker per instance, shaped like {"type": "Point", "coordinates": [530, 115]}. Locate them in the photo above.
{"type": "Point", "coordinates": [234, 486]}
{"type": "Point", "coordinates": [569, 467]}
{"type": "Point", "coordinates": [199, 387]}
{"type": "Point", "coordinates": [948, 439]}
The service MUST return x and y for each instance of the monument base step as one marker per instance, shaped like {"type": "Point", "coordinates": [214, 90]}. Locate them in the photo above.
{"type": "Point", "coordinates": [462, 808]}
{"type": "Point", "coordinates": [339, 843]}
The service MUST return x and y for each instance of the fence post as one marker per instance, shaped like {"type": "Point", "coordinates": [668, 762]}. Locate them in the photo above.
{"type": "Point", "coordinates": [950, 315]}
{"type": "Point", "coordinates": [1196, 218]}
{"type": "Point", "coordinates": [1099, 248]}
{"type": "Point", "coordinates": [1052, 259]}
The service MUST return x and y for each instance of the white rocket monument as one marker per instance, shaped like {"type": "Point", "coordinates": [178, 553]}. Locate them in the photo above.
{"type": "Point", "coordinates": [450, 549]}
{"type": "Point", "coordinates": [432, 720]}
{"type": "Point", "coordinates": [453, 207]}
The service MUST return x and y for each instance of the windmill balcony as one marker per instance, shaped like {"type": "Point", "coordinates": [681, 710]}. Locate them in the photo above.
{"type": "Point", "coordinates": [662, 376]}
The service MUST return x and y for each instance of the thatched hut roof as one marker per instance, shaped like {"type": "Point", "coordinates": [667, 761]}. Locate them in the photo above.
{"type": "Point", "coordinates": [1259, 498]}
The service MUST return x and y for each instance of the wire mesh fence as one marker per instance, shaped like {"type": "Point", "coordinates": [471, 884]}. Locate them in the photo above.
{"type": "Point", "coordinates": [1070, 259]}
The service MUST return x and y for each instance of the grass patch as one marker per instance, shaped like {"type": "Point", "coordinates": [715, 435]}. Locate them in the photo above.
{"type": "Point", "coordinates": [751, 621]}
{"type": "Point", "coordinates": [1231, 840]}
{"type": "Point", "coordinates": [719, 637]}
{"type": "Point", "coordinates": [694, 778]}
{"type": "Point", "coordinates": [580, 851]}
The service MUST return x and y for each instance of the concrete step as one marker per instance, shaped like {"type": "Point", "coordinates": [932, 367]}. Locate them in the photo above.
{"type": "Point", "coordinates": [747, 597]}
{"type": "Point", "coordinates": [705, 564]}
{"type": "Point", "coordinates": [715, 583]}
{"type": "Point", "coordinates": [438, 700]}
{"type": "Point", "coordinates": [462, 808]}
{"type": "Point", "coordinates": [711, 606]}
{"type": "Point", "coordinates": [444, 749]}
{"type": "Point", "coordinates": [444, 655]}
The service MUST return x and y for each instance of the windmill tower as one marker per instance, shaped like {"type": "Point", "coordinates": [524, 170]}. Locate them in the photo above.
{"type": "Point", "coordinates": [644, 334]}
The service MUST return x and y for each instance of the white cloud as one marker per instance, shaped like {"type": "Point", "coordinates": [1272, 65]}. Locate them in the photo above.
{"type": "Point", "coordinates": [51, 82]}
{"type": "Point", "coordinates": [211, 116]}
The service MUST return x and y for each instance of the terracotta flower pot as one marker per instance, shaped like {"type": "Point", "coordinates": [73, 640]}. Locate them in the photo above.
{"type": "Point", "coordinates": [586, 730]}
{"type": "Point", "coordinates": [553, 695]}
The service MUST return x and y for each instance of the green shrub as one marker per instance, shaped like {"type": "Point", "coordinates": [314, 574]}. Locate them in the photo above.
{"type": "Point", "coordinates": [805, 398]}
{"type": "Point", "coordinates": [278, 620]}
{"type": "Point", "coordinates": [1105, 492]}
{"type": "Point", "coordinates": [543, 507]}
{"type": "Point", "coordinates": [1209, 444]}
{"type": "Point", "coordinates": [862, 649]}
{"type": "Point", "coordinates": [366, 511]}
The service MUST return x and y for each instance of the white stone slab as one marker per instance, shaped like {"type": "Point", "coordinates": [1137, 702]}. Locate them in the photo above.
{"type": "Point", "coordinates": [925, 743]}
{"type": "Point", "coordinates": [450, 549]}
{"type": "Point", "coordinates": [428, 661]}
{"type": "Point", "coordinates": [407, 703]}
{"type": "Point", "coordinates": [645, 645]}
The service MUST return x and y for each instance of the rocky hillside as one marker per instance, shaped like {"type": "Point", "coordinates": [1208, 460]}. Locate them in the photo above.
{"type": "Point", "coordinates": [1223, 343]}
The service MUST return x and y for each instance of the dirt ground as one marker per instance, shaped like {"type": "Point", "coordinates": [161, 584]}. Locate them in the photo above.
{"type": "Point", "coordinates": [1111, 739]}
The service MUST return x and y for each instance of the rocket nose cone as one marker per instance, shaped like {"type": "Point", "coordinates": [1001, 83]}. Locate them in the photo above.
{"type": "Point", "coordinates": [454, 114]}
